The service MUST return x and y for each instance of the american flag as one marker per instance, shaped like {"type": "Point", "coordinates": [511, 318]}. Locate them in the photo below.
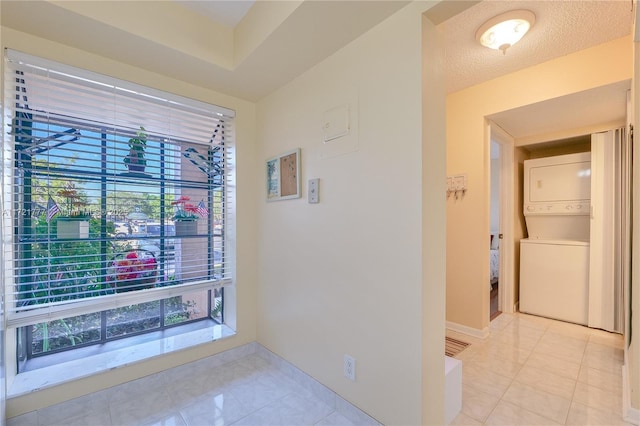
{"type": "Point", "coordinates": [202, 209]}
{"type": "Point", "coordinates": [52, 209]}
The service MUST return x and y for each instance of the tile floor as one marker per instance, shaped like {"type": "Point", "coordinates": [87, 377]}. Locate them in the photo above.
{"type": "Point", "coordinates": [253, 390]}
{"type": "Point", "coordinates": [536, 371]}
{"type": "Point", "coordinates": [529, 371]}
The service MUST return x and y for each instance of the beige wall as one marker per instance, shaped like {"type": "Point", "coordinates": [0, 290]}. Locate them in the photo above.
{"type": "Point", "coordinates": [467, 152]}
{"type": "Point", "coordinates": [345, 276]}
{"type": "Point", "coordinates": [433, 224]}
{"type": "Point", "coordinates": [242, 296]}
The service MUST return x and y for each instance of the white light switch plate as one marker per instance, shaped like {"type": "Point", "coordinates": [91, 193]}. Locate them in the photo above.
{"type": "Point", "coordinates": [313, 191]}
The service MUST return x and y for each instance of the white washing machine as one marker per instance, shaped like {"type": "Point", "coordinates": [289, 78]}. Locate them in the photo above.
{"type": "Point", "coordinates": [554, 279]}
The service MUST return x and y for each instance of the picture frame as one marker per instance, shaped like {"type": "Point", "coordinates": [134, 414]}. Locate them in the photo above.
{"type": "Point", "coordinates": [283, 176]}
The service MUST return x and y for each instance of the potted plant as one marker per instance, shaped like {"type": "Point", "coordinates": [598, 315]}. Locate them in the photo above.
{"type": "Point", "coordinates": [74, 222]}
{"type": "Point", "coordinates": [135, 161]}
{"type": "Point", "coordinates": [186, 216]}
{"type": "Point", "coordinates": [133, 270]}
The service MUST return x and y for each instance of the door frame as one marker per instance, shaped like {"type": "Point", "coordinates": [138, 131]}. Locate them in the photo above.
{"type": "Point", "coordinates": [506, 289]}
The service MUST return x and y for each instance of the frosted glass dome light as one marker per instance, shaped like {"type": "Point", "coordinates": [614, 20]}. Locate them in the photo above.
{"type": "Point", "coordinates": [505, 30]}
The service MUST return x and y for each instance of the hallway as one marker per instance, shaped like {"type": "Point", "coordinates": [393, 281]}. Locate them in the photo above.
{"type": "Point", "coordinates": [537, 371]}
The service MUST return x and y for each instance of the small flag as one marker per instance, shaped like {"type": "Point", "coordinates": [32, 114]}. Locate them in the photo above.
{"type": "Point", "coordinates": [52, 209]}
{"type": "Point", "coordinates": [202, 209]}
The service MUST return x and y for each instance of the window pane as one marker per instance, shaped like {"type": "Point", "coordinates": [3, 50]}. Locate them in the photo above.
{"type": "Point", "coordinates": [53, 271]}
{"type": "Point", "coordinates": [65, 333]}
{"type": "Point", "coordinates": [133, 319]}
{"type": "Point", "coordinates": [189, 307]}
{"type": "Point", "coordinates": [216, 305]}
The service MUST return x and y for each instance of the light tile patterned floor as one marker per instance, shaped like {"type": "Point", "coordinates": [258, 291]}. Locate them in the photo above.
{"type": "Point", "coordinates": [529, 371]}
{"type": "Point", "coordinates": [536, 371]}
{"type": "Point", "coordinates": [249, 391]}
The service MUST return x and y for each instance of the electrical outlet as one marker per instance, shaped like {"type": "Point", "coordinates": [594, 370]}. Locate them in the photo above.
{"type": "Point", "coordinates": [349, 367]}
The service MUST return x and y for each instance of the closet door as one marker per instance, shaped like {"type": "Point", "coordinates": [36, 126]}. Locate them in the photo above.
{"type": "Point", "coordinates": [604, 280]}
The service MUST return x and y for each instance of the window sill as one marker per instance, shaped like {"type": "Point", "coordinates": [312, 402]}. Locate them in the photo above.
{"type": "Point", "coordinates": [138, 348]}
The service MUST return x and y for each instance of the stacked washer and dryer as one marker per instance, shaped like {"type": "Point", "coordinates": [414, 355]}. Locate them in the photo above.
{"type": "Point", "coordinates": [575, 263]}
{"type": "Point", "coordinates": [554, 259]}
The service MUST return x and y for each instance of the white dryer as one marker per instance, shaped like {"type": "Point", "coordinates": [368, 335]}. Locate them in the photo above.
{"type": "Point", "coordinates": [557, 197]}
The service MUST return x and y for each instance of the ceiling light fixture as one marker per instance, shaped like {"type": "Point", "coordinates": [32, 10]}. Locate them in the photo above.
{"type": "Point", "coordinates": [505, 30]}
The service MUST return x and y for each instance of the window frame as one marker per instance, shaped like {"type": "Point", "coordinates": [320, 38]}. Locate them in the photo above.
{"type": "Point", "coordinates": [61, 310]}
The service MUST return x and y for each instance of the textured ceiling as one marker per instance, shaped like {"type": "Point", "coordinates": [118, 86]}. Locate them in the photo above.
{"type": "Point", "coordinates": [561, 28]}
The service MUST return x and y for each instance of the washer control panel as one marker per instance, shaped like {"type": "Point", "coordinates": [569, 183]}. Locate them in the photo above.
{"type": "Point", "coordinates": [575, 208]}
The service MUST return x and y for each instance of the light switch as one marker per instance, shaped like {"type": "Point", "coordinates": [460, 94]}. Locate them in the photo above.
{"type": "Point", "coordinates": [313, 191]}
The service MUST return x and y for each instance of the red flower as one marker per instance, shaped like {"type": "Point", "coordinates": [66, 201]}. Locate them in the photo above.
{"type": "Point", "coordinates": [183, 199]}
{"type": "Point", "coordinates": [132, 267]}
{"type": "Point", "coordinates": [185, 210]}
{"type": "Point", "coordinates": [190, 208]}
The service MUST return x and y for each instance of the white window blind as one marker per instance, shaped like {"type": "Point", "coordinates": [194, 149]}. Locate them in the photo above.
{"type": "Point", "coordinates": [89, 224]}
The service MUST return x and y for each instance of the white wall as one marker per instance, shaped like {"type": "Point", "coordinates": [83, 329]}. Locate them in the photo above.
{"type": "Point", "coordinates": [345, 276]}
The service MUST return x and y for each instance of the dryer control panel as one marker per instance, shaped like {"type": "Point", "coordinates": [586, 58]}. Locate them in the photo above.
{"type": "Point", "coordinates": [557, 208]}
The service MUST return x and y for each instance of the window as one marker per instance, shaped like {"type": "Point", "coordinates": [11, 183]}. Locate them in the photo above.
{"type": "Point", "coordinates": [115, 207]}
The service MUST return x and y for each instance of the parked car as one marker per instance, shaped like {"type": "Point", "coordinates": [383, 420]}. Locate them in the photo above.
{"type": "Point", "coordinates": [149, 229]}
{"type": "Point", "coordinates": [152, 229]}
{"type": "Point", "coordinates": [122, 229]}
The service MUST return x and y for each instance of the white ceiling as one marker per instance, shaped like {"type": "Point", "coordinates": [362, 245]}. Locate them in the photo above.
{"type": "Point", "coordinates": [240, 48]}
{"type": "Point", "coordinates": [226, 12]}
{"type": "Point", "coordinates": [583, 110]}
{"type": "Point", "coordinates": [561, 27]}
{"type": "Point", "coordinates": [309, 31]}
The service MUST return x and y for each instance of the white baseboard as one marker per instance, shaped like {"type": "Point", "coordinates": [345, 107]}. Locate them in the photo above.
{"type": "Point", "coordinates": [473, 332]}
{"type": "Point", "coordinates": [629, 414]}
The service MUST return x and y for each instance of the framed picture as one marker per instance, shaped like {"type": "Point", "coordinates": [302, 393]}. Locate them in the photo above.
{"type": "Point", "coordinates": [283, 176]}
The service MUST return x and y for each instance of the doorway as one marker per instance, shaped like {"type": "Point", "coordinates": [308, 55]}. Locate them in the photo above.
{"type": "Point", "coordinates": [502, 240]}
{"type": "Point", "coordinates": [494, 231]}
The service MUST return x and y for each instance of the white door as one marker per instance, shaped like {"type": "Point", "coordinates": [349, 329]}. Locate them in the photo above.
{"type": "Point", "coordinates": [606, 282]}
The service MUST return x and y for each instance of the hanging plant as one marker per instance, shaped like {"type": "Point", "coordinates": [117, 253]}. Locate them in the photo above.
{"type": "Point", "coordinates": [135, 161]}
